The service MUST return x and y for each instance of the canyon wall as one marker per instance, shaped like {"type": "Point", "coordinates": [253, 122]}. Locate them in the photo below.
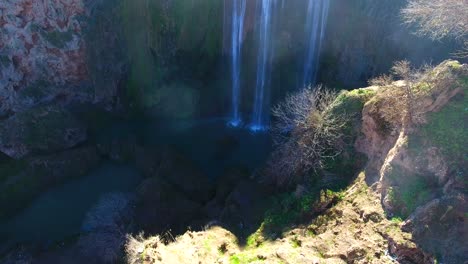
{"type": "Point", "coordinates": [109, 52]}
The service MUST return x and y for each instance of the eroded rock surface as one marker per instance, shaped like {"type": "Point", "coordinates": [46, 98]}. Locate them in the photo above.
{"type": "Point", "coordinates": [40, 130]}
{"type": "Point", "coordinates": [41, 42]}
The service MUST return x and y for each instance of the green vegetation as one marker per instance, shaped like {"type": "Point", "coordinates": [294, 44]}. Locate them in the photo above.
{"type": "Point", "coordinates": [410, 192]}
{"type": "Point", "coordinates": [350, 103]}
{"type": "Point", "coordinates": [166, 43]}
{"type": "Point", "coordinates": [289, 210]}
{"type": "Point", "coordinates": [5, 61]}
{"type": "Point", "coordinates": [243, 258]}
{"type": "Point", "coordinates": [446, 129]}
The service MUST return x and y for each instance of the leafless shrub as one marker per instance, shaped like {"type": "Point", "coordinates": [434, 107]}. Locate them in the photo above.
{"type": "Point", "coordinates": [405, 102]}
{"type": "Point", "coordinates": [307, 132]}
{"type": "Point", "coordinates": [403, 69]}
{"type": "Point", "coordinates": [138, 247]}
{"type": "Point", "coordinates": [463, 53]}
{"type": "Point", "coordinates": [382, 80]}
{"type": "Point", "coordinates": [438, 18]}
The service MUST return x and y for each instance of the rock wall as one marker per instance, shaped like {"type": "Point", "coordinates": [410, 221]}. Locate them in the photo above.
{"type": "Point", "coordinates": [419, 168]}
{"type": "Point", "coordinates": [43, 53]}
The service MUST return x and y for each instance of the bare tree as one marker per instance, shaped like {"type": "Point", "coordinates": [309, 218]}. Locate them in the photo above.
{"type": "Point", "coordinates": [402, 69]}
{"type": "Point", "coordinates": [439, 19]}
{"type": "Point", "coordinates": [307, 132]}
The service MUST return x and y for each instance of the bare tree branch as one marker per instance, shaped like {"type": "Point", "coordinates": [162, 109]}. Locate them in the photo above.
{"type": "Point", "coordinates": [438, 18]}
{"type": "Point", "coordinates": [307, 132]}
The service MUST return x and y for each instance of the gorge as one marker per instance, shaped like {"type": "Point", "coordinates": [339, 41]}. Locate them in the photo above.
{"type": "Point", "coordinates": [234, 131]}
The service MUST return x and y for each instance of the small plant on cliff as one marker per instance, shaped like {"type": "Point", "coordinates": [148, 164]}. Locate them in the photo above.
{"type": "Point", "coordinates": [307, 132]}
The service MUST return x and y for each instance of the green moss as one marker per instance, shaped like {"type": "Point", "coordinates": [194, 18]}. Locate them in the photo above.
{"type": "Point", "coordinates": [447, 128]}
{"type": "Point", "coordinates": [5, 61]}
{"type": "Point", "coordinates": [289, 210]}
{"type": "Point", "coordinates": [454, 64]}
{"type": "Point", "coordinates": [57, 38]}
{"type": "Point", "coordinates": [350, 104]}
{"type": "Point", "coordinates": [243, 258]}
{"type": "Point", "coordinates": [411, 191]}
{"type": "Point", "coordinates": [36, 91]}
{"type": "Point", "coordinates": [296, 242]}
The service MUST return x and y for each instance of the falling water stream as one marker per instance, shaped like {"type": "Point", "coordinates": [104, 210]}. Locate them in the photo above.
{"type": "Point", "coordinates": [314, 32]}
{"type": "Point", "coordinates": [317, 13]}
{"type": "Point", "coordinates": [260, 113]}
{"type": "Point", "coordinates": [237, 29]}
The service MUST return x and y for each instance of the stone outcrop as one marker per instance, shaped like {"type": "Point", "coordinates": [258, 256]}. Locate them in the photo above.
{"type": "Point", "coordinates": [419, 168]}
{"type": "Point", "coordinates": [42, 43]}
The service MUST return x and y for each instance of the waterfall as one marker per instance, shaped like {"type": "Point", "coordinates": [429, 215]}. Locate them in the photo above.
{"type": "Point", "coordinates": [236, 33]}
{"type": "Point", "coordinates": [317, 15]}
{"type": "Point", "coordinates": [260, 113]}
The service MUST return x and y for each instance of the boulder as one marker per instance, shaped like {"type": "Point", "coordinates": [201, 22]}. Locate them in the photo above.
{"type": "Point", "coordinates": [186, 176]}
{"type": "Point", "coordinates": [40, 130]}
{"type": "Point", "coordinates": [161, 207]}
{"type": "Point", "coordinates": [440, 226]}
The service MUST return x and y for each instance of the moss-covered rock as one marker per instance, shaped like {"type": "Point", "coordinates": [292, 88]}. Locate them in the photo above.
{"type": "Point", "coordinates": [43, 129]}
{"type": "Point", "coordinates": [350, 104]}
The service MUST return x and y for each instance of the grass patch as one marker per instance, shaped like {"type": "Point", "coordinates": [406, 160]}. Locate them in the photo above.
{"type": "Point", "coordinates": [447, 128]}
{"type": "Point", "coordinates": [290, 210]}
{"type": "Point", "coordinates": [243, 258]}
{"type": "Point", "coordinates": [412, 191]}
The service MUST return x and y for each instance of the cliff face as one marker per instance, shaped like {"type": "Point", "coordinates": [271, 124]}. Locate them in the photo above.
{"type": "Point", "coordinates": [43, 52]}
{"type": "Point", "coordinates": [420, 168]}
{"type": "Point", "coordinates": [88, 51]}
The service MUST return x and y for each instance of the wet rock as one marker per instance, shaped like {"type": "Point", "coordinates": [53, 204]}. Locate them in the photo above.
{"type": "Point", "coordinates": [162, 207]}
{"type": "Point", "coordinates": [245, 206]}
{"type": "Point", "coordinates": [185, 176]}
{"type": "Point", "coordinates": [44, 129]}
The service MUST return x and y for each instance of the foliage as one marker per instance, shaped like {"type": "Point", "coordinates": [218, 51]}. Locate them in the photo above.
{"type": "Point", "coordinates": [307, 132]}
{"type": "Point", "coordinates": [410, 191]}
{"type": "Point", "coordinates": [290, 209]}
{"type": "Point", "coordinates": [446, 129]}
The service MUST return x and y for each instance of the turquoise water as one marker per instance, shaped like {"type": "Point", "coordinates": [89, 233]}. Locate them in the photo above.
{"type": "Point", "coordinates": [210, 143]}
{"type": "Point", "coordinates": [59, 213]}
